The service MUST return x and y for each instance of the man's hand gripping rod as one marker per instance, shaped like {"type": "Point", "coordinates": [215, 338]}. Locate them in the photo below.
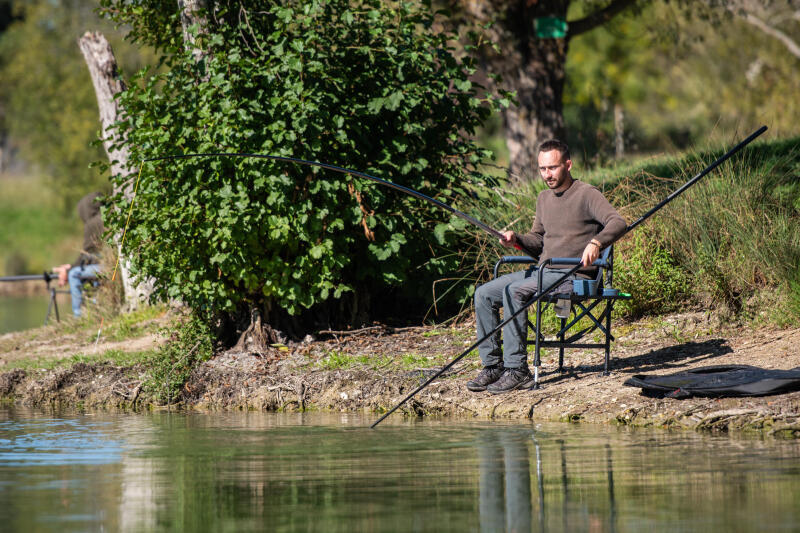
{"type": "Point", "coordinates": [573, 270]}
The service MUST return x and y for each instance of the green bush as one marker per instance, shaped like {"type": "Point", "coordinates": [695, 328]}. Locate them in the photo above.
{"type": "Point", "coordinates": [365, 85]}
{"type": "Point", "coordinates": [647, 271]}
{"type": "Point", "coordinates": [189, 343]}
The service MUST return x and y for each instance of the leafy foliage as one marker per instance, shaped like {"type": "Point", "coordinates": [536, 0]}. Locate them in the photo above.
{"type": "Point", "coordinates": [364, 85]}
{"type": "Point", "coordinates": [682, 72]}
{"type": "Point", "coordinates": [648, 272]}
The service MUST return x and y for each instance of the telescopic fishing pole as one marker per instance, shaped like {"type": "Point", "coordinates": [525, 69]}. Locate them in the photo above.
{"type": "Point", "coordinates": [474, 221]}
{"type": "Point", "coordinates": [46, 277]}
{"type": "Point", "coordinates": [538, 296]}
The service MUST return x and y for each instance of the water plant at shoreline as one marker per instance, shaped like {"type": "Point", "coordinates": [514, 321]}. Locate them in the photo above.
{"type": "Point", "coordinates": [190, 342]}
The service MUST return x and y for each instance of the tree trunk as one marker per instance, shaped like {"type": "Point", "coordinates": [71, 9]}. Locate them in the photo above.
{"type": "Point", "coordinates": [102, 65]}
{"type": "Point", "coordinates": [539, 83]}
{"type": "Point", "coordinates": [193, 14]}
{"type": "Point", "coordinates": [258, 336]}
{"type": "Point", "coordinates": [533, 66]}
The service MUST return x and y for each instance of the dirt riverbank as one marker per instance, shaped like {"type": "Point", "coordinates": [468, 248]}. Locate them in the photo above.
{"type": "Point", "coordinates": [372, 369]}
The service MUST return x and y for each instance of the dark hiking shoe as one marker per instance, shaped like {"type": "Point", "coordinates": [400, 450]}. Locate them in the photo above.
{"type": "Point", "coordinates": [488, 375]}
{"type": "Point", "coordinates": [512, 379]}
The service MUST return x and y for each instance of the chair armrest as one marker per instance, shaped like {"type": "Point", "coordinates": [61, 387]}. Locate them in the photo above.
{"type": "Point", "coordinates": [513, 260]}
{"type": "Point", "coordinates": [516, 259]}
{"type": "Point", "coordinates": [575, 261]}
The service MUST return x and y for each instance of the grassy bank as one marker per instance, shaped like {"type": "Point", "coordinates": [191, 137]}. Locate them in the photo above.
{"type": "Point", "coordinates": [372, 369]}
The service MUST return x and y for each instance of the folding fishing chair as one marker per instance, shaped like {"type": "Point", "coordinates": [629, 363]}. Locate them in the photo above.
{"type": "Point", "coordinates": [595, 302]}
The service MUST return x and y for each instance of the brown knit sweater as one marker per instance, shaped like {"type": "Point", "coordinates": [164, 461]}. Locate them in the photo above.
{"type": "Point", "coordinates": [566, 222]}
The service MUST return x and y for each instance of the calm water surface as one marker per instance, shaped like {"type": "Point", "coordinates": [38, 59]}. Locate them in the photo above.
{"type": "Point", "coordinates": [272, 472]}
{"type": "Point", "coordinates": [23, 312]}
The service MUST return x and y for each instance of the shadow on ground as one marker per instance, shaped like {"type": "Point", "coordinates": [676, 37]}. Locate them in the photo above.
{"type": "Point", "coordinates": [670, 357]}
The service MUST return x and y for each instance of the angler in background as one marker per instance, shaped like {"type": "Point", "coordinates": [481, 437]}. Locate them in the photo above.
{"type": "Point", "coordinates": [573, 219]}
{"type": "Point", "coordinates": [87, 265]}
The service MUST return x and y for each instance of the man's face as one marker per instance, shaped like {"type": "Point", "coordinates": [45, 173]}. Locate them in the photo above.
{"type": "Point", "coordinates": [554, 169]}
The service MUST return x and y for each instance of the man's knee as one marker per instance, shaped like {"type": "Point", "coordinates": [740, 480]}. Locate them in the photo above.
{"type": "Point", "coordinates": [480, 294]}
{"type": "Point", "coordinates": [488, 294]}
{"type": "Point", "coordinates": [520, 293]}
{"type": "Point", "coordinates": [74, 275]}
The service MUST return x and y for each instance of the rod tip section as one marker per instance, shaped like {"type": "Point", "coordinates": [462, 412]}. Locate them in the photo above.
{"type": "Point", "coordinates": [758, 132]}
{"type": "Point", "coordinates": [381, 419]}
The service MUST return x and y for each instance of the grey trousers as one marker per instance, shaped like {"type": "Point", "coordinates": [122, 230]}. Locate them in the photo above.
{"type": "Point", "coordinates": [511, 292]}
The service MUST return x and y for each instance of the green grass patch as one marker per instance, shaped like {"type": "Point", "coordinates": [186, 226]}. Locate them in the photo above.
{"type": "Point", "coordinates": [413, 360]}
{"type": "Point", "coordinates": [117, 328]}
{"type": "Point", "coordinates": [138, 323]}
{"type": "Point", "coordinates": [113, 357]}
{"type": "Point", "coordinates": [335, 359]}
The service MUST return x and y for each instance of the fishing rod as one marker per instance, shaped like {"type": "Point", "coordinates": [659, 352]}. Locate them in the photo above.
{"type": "Point", "coordinates": [46, 277]}
{"type": "Point", "coordinates": [538, 296]}
{"type": "Point", "coordinates": [407, 190]}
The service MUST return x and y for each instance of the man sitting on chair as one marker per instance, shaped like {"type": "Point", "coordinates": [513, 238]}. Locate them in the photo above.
{"type": "Point", "coordinates": [573, 219]}
{"type": "Point", "coordinates": [87, 265]}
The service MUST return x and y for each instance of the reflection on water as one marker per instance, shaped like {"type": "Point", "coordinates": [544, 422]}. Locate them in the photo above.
{"type": "Point", "coordinates": [507, 459]}
{"type": "Point", "coordinates": [56, 442]}
{"type": "Point", "coordinates": [24, 312]}
{"type": "Point", "coordinates": [305, 472]}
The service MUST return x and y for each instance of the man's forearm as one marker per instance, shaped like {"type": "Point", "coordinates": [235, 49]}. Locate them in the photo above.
{"type": "Point", "coordinates": [615, 227]}
{"type": "Point", "coordinates": [531, 242]}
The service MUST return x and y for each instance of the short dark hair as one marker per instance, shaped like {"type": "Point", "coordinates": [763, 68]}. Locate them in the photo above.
{"type": "Point", "coordinates": [555, 144]}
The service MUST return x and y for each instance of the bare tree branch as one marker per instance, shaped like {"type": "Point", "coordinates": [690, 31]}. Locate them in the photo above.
{"type": "Point", "coordinates": [599, 17]}
{"type": "Point", "coordinates": [790, 43]}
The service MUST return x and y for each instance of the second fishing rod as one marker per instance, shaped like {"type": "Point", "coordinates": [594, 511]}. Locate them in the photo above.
{"type": "Point", "coordinates": [538, 296]}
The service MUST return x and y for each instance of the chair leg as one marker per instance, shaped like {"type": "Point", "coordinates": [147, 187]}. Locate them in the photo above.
{"type": "Point", "coordinates": [561, 348]}
{"type": "Point", "coordinates": [609, 306]}
{"type": "Point", "coordinates": [536, 354]}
